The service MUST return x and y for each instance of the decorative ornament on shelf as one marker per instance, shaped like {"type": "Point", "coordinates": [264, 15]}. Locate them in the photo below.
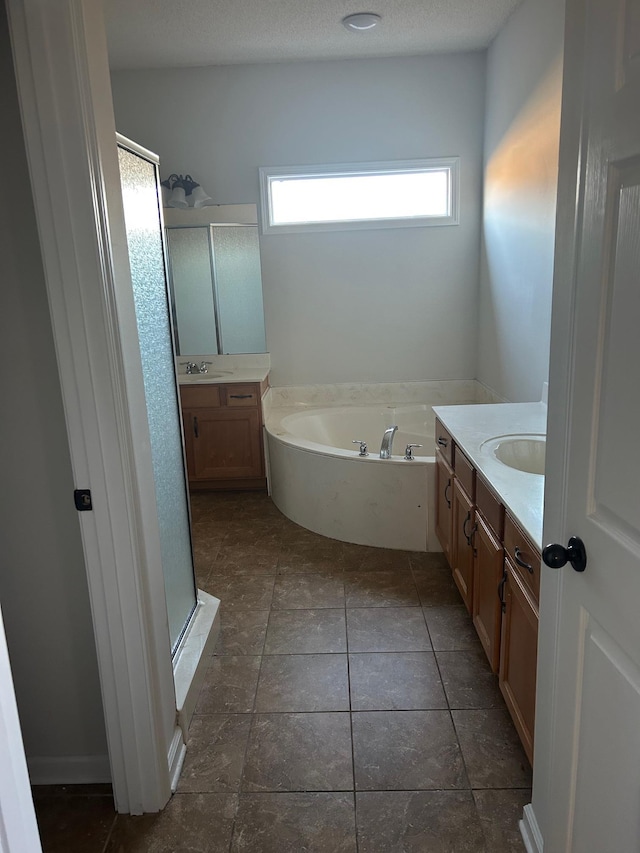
{"type": "Point", "coordinates": [182, 191]}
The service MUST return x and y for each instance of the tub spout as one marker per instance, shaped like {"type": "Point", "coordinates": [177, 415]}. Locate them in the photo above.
{"type": "Point", "coordinates": [387, 442]}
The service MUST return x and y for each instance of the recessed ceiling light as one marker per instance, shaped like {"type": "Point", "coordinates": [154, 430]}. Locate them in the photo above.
{"type": "Point", "coordinates": [361, 21]}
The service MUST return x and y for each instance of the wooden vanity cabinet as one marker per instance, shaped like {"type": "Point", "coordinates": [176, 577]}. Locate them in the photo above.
{"type": "Point", "coordinates": [524, 556]}
{"type": "Point", "coordinates": [519, 646]}
{"type": "Point", "coordinates": [518, 654]}
{"type": "Point", "coordinates": [489, 559]}
{"type": "Point", "coordinates": [444, 503]}
{"type": "Point", "coordinates": [444, 442]}
{"type": "Point", "coordinates": [223, 436]}
{"type": "Point", "coordinates": [463, 519]}
{"type": "Point", "coordinates": [497, 571]}
{"type": "Point", "coordinates": [487, 607]}
{"type": "Point", "coordinates": [463, 512]}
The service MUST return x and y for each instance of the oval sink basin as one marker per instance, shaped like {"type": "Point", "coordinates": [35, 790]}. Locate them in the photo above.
{"type": "Point", "coordinates": [205, 377]}
{"type": "Point", "coordinates": [522, 452]}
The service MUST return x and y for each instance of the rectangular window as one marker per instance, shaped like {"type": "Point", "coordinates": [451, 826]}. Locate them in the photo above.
{"type": "Point", "coordinates": [366, 195]}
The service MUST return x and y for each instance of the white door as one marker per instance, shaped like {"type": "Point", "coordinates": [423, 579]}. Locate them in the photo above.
{"type": "Point", "coordinates": [18, 828]}
{"type": "Point", "coordinates": [594, 775]}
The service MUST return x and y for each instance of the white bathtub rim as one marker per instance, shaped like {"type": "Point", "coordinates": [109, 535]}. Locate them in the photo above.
{"type": "Point", "coordinates": [348, 455]}
{"type": "Point", "coordinates": [275, 430]}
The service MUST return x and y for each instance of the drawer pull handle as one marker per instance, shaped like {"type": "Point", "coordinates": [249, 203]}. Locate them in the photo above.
{"type": "Point", "coordinates": [469, 536]}
{"type": "Point", "coordinates": [442, 441]}
{"type": "Point", "coordinates": [195, 427]}
{"type": "Point", "coordinates": [446, 489]}
{"type": "Point", "coordinates": [516, 555]}
{"type": "Point", "coordinates": [503, 603]}
{"type": "Point", "coordinates": [241, 396]}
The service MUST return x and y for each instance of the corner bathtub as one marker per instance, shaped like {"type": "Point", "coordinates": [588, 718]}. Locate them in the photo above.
{"type": "Point", "coordinates": [319, 481]}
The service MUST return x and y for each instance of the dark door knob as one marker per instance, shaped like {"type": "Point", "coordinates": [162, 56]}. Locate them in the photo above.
{"type": "Point", "coordinates": [556, 556]}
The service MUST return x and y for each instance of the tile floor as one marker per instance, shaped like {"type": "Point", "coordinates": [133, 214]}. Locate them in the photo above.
{"type": "Point", "coordinates": [348, 708]}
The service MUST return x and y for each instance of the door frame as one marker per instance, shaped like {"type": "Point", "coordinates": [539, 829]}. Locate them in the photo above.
{"type": "Point", "coordinates": [62, 72]}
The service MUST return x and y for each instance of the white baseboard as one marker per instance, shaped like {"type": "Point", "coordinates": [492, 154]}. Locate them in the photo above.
{"type": "Point", "coordinates": [69, 769]}
{"type": "Point", "coordinates": [530, 831]}
{"type": "Point", "coordinates": [177, 753]}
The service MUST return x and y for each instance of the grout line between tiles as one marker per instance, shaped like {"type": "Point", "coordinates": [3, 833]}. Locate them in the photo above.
{"type": "Point", "coordinates": [464, 763]}
{"type": "Point", "coordinates": [345, 608]}
{"type": "Point", "coordinates": [353, 746]}
{"type": "Point", "coordinates": [110, 833]}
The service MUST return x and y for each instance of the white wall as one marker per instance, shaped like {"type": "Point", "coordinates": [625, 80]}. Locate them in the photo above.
{"type": "Point", "coordinates": [397, 304]}
{"type": "Point", "coordinates": [524, 71]}
{"type": "Point", "coordinates": [43, 587]}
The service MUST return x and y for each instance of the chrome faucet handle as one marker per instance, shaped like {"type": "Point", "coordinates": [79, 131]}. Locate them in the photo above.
{"type": "Point", "coordinates": [363, 446]}
{"type": "Point", "coordinates": [408, 453]}
{"type": "Point", "coordinates": [191, 366]}
{"type": "Point", "coordinates": [204, 366]}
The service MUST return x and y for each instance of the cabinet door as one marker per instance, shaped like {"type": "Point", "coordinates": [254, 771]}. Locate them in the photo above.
{"type": "Point", "coordinates": [518, 656]}
{"type": "Point", "coordinates": [462, 543]}
{"type": "Point", "coordinates": [187, 434]}
{"type": "Point", "coordinates": [444, 489]}
{"type": "Point", "coordinates": [224, 443]}
{"type": "Point", "coordinates": [487, 607]}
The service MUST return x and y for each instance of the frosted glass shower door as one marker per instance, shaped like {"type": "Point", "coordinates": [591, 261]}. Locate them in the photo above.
{"type": "Point", "coordinates": [143, 224]}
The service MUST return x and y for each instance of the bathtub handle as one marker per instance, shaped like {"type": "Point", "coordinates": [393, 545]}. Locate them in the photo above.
{"type": "Point", "coordinates": [408, 453]}
{"type": "Point", "coordinates": [363, 446]}
{"type": "Point", "coordinates": [447, 487]}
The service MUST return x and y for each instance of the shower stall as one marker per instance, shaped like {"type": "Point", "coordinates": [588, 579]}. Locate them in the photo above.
{"type": "Point", "coordinates": [147, 259]}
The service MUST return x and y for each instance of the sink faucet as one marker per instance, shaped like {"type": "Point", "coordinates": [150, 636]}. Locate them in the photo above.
{"type": "Point", "coordinates": [387, 442]}
{"type": "Point", "coordinates": [191, 367]}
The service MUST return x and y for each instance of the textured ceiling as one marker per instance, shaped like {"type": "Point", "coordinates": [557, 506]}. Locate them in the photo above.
{"type": "Point", "coordinates": [179, 33]}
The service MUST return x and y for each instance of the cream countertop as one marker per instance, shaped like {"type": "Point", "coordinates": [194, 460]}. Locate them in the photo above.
{"type": "Point", "coordinates": [521, 493]}
{"type": "Point", "coordinates": [216, 376]}
{"type": "Point", "coordinates": [245, 367]}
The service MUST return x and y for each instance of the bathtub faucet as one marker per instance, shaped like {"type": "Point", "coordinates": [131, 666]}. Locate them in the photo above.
{"type": "Point", "coordinates": [387, 442]}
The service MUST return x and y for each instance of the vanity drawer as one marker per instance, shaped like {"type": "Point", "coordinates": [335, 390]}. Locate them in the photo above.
{"type": "Point", "coordinates": [202, 395]}
{"type": "Point", "coordinates": [242, 395]}
{"type": "Point", "coordinates": [465, 472]}
{"type": "Point", "coordinates": [444, 442]}
{"type": "Point", "coordinates": [523, 554]}
{"type": "Point", "coordinates": [489, 506]}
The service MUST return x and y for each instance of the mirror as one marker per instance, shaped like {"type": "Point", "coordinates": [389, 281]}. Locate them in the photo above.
{"type": "Point", "coordinates": [215, 280]}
